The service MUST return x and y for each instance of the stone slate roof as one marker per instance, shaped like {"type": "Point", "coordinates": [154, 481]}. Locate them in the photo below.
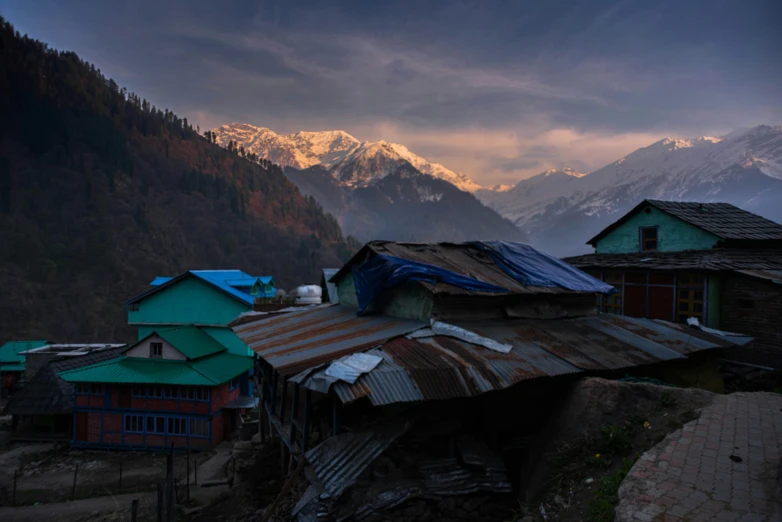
{"type": "Point", "coordinates": [46, 393]}
{"type": "Point", "coordinates": [726, 221]}
{"type": "Point", "coordinates": [718, 259]}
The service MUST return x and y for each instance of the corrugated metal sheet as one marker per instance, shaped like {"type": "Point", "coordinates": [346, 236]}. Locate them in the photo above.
{"type": "Point", "coordinates": [774, 276]}
{"type": "Point", "coordinates": [338, 461]}
{"type": "Point", "coordinates": [441, 367]}
{"type": "Point", "coordinates": [207, 371]}
{"type": "Point", "coordinates": [299, 340]}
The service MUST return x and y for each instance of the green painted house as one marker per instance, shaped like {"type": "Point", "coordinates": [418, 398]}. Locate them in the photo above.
{"type": "Point", "coordinates": [680, 260]}
{"type": "Point", "coordinates": [209, 299]}
{"type": "Point", "coordinates": [177, 385]}
{"type": "Point", "coordinates": [12, 360]}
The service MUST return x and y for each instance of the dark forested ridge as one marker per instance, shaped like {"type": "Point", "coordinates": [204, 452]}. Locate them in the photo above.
{"type": "Point", "coordinates": [100, 192]}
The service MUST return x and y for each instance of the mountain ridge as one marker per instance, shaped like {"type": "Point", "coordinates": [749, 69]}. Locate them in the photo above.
{"type": "Point", "coordinates": [338, 151]}
{"type": "Point", "coordinates": [743, 168]}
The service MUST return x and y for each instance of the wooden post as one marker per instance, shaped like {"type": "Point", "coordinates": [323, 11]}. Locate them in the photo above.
{"type": "Point", "coordinates": [159, 502]}
{"type": "Point", "coordinates": [305, 436]}
{"type": "Point", "coordinates": [75, 474]}
{"type": "Point", "coordinates": [188, 473]}
{"type": "Point", "coordinates": [294, 422]}
{"type": "Point", "coordinates": [13, 498]}
{"type": "Point", "coordinates": [170, 486]}
{"type": "Point", "coordinates": [134, 510]}
{"type": "Point", "coordinates": [196, 472]}
{"type": "Point", "coordinates": [119, 486]}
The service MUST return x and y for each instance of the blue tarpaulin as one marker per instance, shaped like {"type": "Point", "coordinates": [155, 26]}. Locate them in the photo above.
{"type": "Point", "coordinates": [531, 267]}
{"type": "Point", "coordinates": [383, 272]}
{"type": "Point", "coordinates": [521, 262]}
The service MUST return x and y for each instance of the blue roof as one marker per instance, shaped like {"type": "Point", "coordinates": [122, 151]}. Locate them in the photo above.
{"type": "Point", "coordinates": [228, 281]}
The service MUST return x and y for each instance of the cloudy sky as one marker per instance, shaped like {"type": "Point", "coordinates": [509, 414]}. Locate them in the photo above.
{"type": "Point", "coordinates": [498, 89]}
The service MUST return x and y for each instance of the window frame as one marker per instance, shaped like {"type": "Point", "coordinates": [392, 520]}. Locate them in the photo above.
{"type": "Point", "coordinates": [173, 420]}
{"type": "Point", "coordinates": [642, 240]}
{"type": "Point", "coordinates": [152, 346]}
{"type": "Point", "coordinates": [154, 430]}
{"type": "Point", "coordinates": [171, 392]}
{"type": "Point", "coordinates": [130, 416]}
{"type": "Point", "coordinates": [234, 383]}
{"type": "Point", "coordinates": [141, 394]}
{"type": "Point", "coordinates": [206, 424]}
{"type": "Point", "coordinates": [155, 391]}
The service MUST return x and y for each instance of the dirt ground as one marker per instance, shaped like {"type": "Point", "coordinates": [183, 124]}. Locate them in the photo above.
{"type": "Point", "coordinates": [44, 475]}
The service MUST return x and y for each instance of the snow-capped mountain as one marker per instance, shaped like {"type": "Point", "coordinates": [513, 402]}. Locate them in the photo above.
{"type": "Point", "coordinates": [560, 210]}
{"type": "Point", "coordinates": [350, 161]}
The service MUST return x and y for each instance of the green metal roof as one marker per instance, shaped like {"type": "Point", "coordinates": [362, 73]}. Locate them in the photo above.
{"type": "Point", "coordinates": [207, 371]}
{"type": "Point", "coordinates": [191, 341]}
{"type": "Point", "coordinates": [9, 354]}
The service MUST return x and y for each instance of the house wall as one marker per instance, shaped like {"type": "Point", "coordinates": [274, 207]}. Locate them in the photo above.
{"type": "Point", "coordinates": [673, 234]}
{"type": "Point", "coordinates": [762, 319]}
{"type": "Point", "coordinates": [190, 301]}
{"type": "Point", "coordinates": [169, 352]}
{"type": "Point", "coordinates": [228, 338]}
{"type": "Point", "coordinates": [346, 290]}
{"type": "Point", "coordinates": [103, 418]}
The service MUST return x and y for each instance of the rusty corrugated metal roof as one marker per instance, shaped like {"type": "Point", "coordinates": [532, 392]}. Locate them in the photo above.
{"type": "Point", "coordinates": [442, 367]}
{"type": "Point", "coordinates": [300, 340]}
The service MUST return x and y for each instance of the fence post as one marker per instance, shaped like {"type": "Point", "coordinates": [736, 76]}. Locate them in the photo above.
{"type": "Point", "coordinates": [75, 474]}
{"type": "Point", "coordinates": [13, 498]}
{"type": "Point", "coordinates": [134, 510]}
{"type": "Point", "coordinates": [188, 473]}
{"type": "Point", "coordinates": [159, 502]}
{"type": "Point", "coordinates": [119, 487]}
{"type": "Point", "coordinates": [196, 472]}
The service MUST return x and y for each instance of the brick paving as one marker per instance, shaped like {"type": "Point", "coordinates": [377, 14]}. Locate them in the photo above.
{"type": "Point", "coordinates": [724, 466]}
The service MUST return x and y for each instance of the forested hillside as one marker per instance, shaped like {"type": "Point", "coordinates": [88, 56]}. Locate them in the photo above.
{"type": "Point", "coordinates": [101, 191]}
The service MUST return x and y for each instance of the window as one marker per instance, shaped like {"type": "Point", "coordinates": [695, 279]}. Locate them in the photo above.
{"type": "Point", "coordinates": [690, 297]}
{"type": "Point", "coordinates": [177, 426]}
{"type": "Point", "coordinates": [139, 391]}
{"type": "Point", "coordinates": [134, 423]}
{"type": "Point", "coordinates": [199, 428]}
{"type": "Point", "coordinates": [156, 350]}
{"type": "Point", "coordinates": [156, 424]}
{"type": "Point", "coordinates": [649, 239]}
{"type": "Point", "coordinates": [155, 391]}
{"type": "Point", "coordinates": [197, 393]}
{"type": "Point", "coordinates": [171, 392]}
{"type": "Point", "coordinates": [86, 388]}
{"type": "Point", "coordinates": [612, 304]}
{"type": "Point", "coordinates": [233, 383]}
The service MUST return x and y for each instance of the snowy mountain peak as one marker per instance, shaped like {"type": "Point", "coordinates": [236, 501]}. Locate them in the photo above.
{"type": "Point", "coordinates": [349, 160]}
{"type": "Point", "coordinates": [565, 170]}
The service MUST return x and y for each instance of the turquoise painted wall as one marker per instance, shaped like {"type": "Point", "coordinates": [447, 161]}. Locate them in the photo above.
{"type": "Point", "coordinates": [673, 235]}
{"type": "Point", "coordinates": [346, 290]}
{"type": "Point", "coordinates": [190, 301]}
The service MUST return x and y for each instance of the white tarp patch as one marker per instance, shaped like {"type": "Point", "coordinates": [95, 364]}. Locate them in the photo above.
{"type": "Point", "coordinates": [350, 368]}
{"type": "Point", "coordinates": [467, 336]}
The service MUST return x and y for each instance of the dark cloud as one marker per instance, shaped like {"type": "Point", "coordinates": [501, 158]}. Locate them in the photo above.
{"type": "Point", "coordinates": [598, 68]}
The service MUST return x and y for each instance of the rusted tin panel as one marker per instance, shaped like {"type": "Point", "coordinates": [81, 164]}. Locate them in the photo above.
{"type": "Point", "coordinates": [770, 275]}
{"type": "Point", "coordinates": [680, 338]}
{"type": "Point", "coordinates": [528, 333]}
{"type": "Point", "coordinates": [301, 340]}
{"type": "Point", "coordinates": [657, 350]}
{"type": "Point", "coordinates": [388, 383]}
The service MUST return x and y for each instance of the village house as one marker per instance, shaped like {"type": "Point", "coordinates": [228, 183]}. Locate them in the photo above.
{"type": "Point", "coordinates": [430, 349]}
{"type": "Point", "coordinates": [43, 407]}
{"type": "Point", "coordinates": [12, 363]}
{"type": "Point", "coordinates": [208, 299]}
{"type": "Point", "coordinates": [675, 260]}
{"type": "Point", "coordinates": [178, 385]}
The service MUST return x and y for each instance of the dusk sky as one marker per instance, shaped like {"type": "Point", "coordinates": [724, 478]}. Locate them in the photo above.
{"type": "Point", "coordinates": [500, 90]}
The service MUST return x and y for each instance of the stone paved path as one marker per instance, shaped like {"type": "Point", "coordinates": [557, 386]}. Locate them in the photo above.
{"type": "Point", "coordinates": [724, 466]}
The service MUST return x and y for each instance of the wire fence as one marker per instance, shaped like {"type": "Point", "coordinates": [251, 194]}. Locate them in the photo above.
{"type": "Point", "coordinates": [172, 486]}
